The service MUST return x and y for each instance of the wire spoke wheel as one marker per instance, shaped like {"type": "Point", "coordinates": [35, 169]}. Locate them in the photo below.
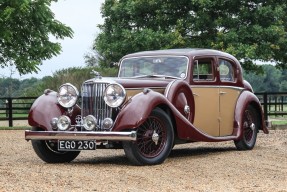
{"type": "Point", "coordinates": [248, 126]}
{"type": "Point", "coordinates": [152, 137]}
{"type": "Point", "coordinates": [249, 129]}
{"type": "Point", "coordinates": [154, 140]}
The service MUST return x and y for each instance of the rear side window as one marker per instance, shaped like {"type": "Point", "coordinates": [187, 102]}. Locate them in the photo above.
{"type": "Point", "coordinates": [203, 70]}
{"type": "Point", "coordinates": [226, 71]}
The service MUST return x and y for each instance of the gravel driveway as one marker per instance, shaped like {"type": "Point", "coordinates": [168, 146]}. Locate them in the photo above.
{"type": "Point", "coordinates": [190, 167]}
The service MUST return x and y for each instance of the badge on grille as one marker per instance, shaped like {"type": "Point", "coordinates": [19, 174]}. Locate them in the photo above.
{"type": "Point", "coordinates": [78, 120]}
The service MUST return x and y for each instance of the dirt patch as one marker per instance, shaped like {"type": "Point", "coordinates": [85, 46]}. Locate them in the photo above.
{"type": "Point", "coordinates": [190, 167]}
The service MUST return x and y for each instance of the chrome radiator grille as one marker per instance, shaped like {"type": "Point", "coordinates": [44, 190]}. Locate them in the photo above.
{"type": "Point", "coordinates": [93, 102]}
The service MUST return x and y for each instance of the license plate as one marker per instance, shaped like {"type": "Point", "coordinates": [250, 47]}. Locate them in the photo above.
{"type": "Point", "coordinates": [76, 145]}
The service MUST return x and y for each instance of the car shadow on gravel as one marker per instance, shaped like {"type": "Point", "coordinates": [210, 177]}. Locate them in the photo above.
{"type": "Point", "coordinates": [114, 160]}
{"type": "Point", "coordinates": [199, 151]}
{"type": "Point", "coordinates": [175, 153]}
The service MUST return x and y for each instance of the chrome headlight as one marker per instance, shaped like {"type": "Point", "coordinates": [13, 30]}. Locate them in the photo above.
{"type": "Point", "coordinates": [68, 95]}
{"type": "Point", "coordinates": [114, 95]}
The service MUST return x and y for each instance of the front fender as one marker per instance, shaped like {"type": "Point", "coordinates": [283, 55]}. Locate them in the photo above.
{"type": "Point", "coordinates": [45, 108]}
{"type": "Point", "coordinates": [137, 109]}
{"type": "Point", "coordinates": [245, 99]}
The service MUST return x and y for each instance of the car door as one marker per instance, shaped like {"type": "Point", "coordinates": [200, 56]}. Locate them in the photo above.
{"type": "Point", "coordinates": [228, 95]}
{"type": "Point", "coordinates": [206, 95]}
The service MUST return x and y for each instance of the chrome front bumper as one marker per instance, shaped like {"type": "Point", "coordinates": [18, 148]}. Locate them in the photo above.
{"type": "Point", "coordinates": [83, 135]}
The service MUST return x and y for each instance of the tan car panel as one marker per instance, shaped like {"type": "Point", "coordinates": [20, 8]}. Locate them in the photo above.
{"type": "Point", "coordinates": [206, 116]}
{"type": "Point", "coordinates": [228, 99]}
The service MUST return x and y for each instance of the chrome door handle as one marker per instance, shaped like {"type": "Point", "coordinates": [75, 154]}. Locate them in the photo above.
{"type": "Point", "coordinates": [221, 92]}
{"type": "Point", "coordinates": [195, 94]}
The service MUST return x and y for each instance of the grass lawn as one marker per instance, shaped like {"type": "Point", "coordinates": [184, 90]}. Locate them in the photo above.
{"type": "Point", "coordinates": [15, 115]}
{"type": "Point", "coordinates": [15, 128]}
{"type": "Point", "coordinates": [279, 122]}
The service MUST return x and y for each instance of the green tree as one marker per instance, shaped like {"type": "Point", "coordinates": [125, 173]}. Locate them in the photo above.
{"type": "Point", "coordinates": [8, 86]}
{"type": "Point", "coordinates": [25, 30]}
{"type": "Point", "coordinates": [250, 30]}
{"type": "Point", "coordinates": [283, 86]}
{"type": "Point", "coordinates": [268, 81]}
{"type": "Point", "coordinates": [73, 75]}
{"type": "Point", "coordinates": [272, 78]}
{"type": "Point", "coordinates": [256, 80]}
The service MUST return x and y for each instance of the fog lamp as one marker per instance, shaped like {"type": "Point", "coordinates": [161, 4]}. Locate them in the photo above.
{"type": "Point", "coordinates": [63, 123]}
{"type": "Point", "coordinates": [90, 122]}
{"type": "Point", "coordinates": [107, 123]}
{"type": "Point", "coordinates": [54, 122]}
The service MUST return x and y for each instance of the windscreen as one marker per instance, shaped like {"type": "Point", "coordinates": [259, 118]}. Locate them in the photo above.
{"type": "Point", "coordinates": [170, 66]}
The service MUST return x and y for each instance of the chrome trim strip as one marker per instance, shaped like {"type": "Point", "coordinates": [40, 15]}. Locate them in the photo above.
{"type": "Point", "coordinates": [168, 88]}
{"type": "Point", "coordinates": [83, 135]}
{"type": "Point", "coordinates": [216, 86]}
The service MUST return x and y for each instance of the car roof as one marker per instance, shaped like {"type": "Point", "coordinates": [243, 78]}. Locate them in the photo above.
{"type": "Point", "coordinates": [190, 52]}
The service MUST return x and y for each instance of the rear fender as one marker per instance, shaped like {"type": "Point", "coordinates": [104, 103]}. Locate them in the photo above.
{"type": "Point", "coordinates": [45, 108]}
{"type": "Point", "coordinates": [245, 99]}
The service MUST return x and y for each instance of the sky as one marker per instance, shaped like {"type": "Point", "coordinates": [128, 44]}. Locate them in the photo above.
{"type": "Point", "coordinates": [83, 17]}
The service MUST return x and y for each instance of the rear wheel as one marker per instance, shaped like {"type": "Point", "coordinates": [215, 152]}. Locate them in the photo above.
{"type": "Point", "coordinates": [250, 129]}
{"type": "Point", "coordinates": [154, 140]}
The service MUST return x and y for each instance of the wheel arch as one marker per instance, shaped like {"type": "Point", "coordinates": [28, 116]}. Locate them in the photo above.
{"type": "Point", "coordinates": [245, 99]}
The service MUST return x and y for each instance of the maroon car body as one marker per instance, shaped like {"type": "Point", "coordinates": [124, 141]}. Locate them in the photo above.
{"type": "Point", "coordinates": [159, 99]}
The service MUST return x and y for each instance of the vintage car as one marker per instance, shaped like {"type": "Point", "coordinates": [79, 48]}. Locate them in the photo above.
{"type": "Point", "coordinates": [159, 99]}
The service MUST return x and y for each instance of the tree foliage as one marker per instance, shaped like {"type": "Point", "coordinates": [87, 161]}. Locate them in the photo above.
{"type": "Point", "coordinates": [271, 80]}
{"type": "Point", "coordinates": [75, 76]}
{"type": "Point", "coordinates": [25, 30]}
{"type": "Point", "coordinates": [250, 30]}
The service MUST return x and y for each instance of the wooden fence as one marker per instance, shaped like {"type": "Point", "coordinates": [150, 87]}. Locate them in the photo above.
{"type": "Point", "coordinates": [274, 105]}
{"type": "Point", "coordinates": [15, 108]}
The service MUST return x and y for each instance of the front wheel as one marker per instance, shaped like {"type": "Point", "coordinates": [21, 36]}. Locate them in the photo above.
{"type": "Point", "coordinates": [250, 129]}
{"type": "Point", "coordinates": [154, 140]}
{"type": "Point", "coordinates": [48, 152]}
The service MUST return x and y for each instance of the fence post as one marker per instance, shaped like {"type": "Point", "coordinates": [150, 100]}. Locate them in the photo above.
{"type": "Point", "coordinates": [7, 108]}
{"type": "Point", "coordinates": [265, 102]}
{"type": "Point", "coordinates": [10, 112]}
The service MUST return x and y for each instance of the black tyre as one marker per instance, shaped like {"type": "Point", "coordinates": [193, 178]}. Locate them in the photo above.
{"type": "Point", "coordinates": [250, 129]}
{"type": "Point", "coordinates": [48, 152]}
{"type": "Point", "coordinates": [154, 140]}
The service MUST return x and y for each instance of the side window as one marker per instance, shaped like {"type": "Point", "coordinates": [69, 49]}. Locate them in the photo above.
{"type": "Point", "coordinates": [203, 70]}
{"type": "Point", "coordinates": [226, 71]}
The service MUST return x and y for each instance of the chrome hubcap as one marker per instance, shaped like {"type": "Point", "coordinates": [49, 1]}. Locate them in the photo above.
{"type": "Point", "coordinates": [252, 126]}
{"type": "Point", "coordinates": [155, 137]}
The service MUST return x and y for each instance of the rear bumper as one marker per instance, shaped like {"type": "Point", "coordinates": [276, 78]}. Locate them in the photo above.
{"type": "Point", "coordinates": [83, 135]}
